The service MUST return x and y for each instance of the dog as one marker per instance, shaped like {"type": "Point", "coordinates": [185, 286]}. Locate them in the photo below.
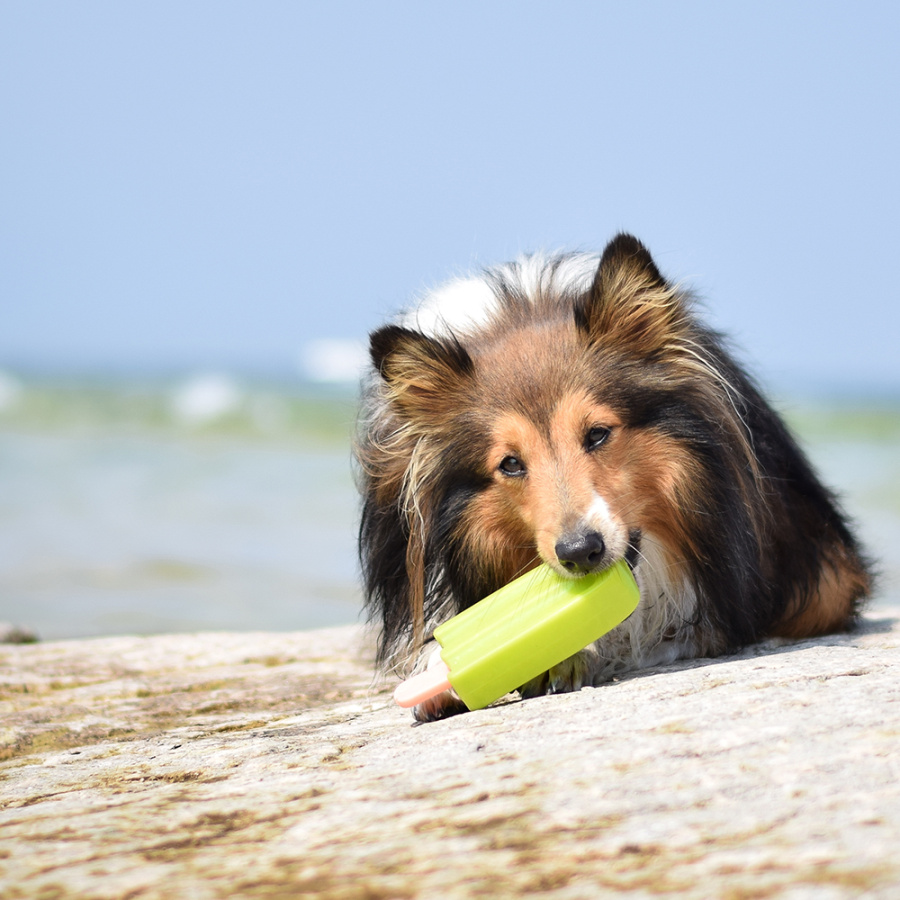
{"type": "Point", "coordinates": [574, 410]}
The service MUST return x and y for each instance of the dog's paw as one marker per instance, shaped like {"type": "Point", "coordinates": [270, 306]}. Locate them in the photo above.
{"type": "Point", "coordinates": [571, 674]}
{"type": "Point", "coordinates": [440, 706]}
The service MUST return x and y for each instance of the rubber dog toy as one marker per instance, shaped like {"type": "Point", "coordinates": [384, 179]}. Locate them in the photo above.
{"type": "Point", "coordinates": [520, 631]}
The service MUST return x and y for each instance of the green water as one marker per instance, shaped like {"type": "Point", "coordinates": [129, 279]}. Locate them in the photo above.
{"type": "Point", "coordinates": [142, 506]}
{"type": "Point", "coordinates": [202, 406]}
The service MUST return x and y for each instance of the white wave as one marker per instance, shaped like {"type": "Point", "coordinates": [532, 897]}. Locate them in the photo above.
{"type": "Point", "coordinates": [10, 391]}
{"type": "Point", "coordinates": [205, 398]}
{"type": "Point", "coordinates": [333, 360]}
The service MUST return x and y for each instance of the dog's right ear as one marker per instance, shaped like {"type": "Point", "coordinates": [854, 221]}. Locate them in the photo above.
{"type": "Point", "coordinates": [422, 373]}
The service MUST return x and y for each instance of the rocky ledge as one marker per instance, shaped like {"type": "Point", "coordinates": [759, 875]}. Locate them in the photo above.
{"type": "Point", "coordinates": [270, 765]}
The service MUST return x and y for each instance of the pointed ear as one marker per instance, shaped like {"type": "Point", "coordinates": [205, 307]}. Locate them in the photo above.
{"type": "Point", "coordinates": [630, 302]}
{"type": "Point", "coordinates": [422, 373]}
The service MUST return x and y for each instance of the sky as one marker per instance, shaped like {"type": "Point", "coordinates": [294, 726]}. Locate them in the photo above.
{"type": "Point", "coordinates": [190, 185]}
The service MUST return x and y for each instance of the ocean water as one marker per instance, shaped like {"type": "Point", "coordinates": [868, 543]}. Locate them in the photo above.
{"type": "Point", "coordinates": [215, 503]}
{"type": "Point", "coordinates": [206, 504]}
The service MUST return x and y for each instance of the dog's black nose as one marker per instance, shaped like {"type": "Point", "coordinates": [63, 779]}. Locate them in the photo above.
{"type": "Point", "coordinates": [580, 553]}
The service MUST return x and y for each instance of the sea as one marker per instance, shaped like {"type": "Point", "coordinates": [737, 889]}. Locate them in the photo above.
{"type": "Point", "coordinates": [221, 502]}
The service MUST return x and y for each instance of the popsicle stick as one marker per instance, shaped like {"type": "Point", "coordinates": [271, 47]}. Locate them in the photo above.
{"type": "Point", "coordinates": [426, 684]}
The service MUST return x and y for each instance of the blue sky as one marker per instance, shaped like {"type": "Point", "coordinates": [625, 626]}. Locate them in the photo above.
{"type": "Point", "coordinates": [190, 185]}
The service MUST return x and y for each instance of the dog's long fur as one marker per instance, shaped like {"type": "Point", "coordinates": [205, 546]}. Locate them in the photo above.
{"type": "Point", "coordinates": [573, 410]}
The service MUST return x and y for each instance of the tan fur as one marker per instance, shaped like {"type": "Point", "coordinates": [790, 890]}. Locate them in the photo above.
{"type": "Point", "coordinates": [830, 610]}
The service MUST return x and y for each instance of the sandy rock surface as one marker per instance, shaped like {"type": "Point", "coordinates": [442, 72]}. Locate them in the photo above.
{"type": "Point", "coordinates": [270, 765]}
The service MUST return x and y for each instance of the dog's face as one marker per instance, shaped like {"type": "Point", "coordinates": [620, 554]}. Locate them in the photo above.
{"type": "Point", "coordinates": [537, 432]}
{"type": "Point", "coordinates": [568, 479]}
{"type": "Point", "coordinates": [561, 485]}
{"type": "Point", "coordinates": [540, 452]}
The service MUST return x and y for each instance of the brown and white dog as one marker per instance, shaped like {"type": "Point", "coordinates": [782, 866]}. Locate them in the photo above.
{"type": "Point", "coordinates": [573, 410]}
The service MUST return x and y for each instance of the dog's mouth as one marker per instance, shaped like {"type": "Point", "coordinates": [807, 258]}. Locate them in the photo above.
{"type": "Point", "coordinates": [633, 553]}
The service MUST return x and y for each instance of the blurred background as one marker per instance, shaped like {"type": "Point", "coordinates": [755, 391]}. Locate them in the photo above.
{"type": "Point", "coordinates": [205, 207]}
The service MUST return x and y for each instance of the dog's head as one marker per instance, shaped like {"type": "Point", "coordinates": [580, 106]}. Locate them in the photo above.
{"type": "Point", "coordinates": [537, 435]}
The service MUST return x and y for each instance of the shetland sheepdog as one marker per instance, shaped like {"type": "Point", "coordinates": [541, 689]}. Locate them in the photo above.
{"type": "Point", "coordinates": [573, 410]}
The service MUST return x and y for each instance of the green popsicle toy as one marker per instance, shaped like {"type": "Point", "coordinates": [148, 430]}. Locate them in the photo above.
{"type": "Point", "coordinates": [520, 631]}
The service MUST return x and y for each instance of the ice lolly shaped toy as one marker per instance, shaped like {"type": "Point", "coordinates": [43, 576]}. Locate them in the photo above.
{"type": "Point", "coordinates": [520, 631]}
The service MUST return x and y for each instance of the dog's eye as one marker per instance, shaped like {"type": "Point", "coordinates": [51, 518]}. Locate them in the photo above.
{"type": "Point", "coordinates": [595, 437]}
{"type": "Point", "coordinates": [512, 466]}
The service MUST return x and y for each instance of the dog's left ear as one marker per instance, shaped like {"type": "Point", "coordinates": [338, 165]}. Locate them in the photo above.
{"type": "Point", "coordinates": [422, 373]}
{"type": "Point", "coordinates": [630, 302]}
